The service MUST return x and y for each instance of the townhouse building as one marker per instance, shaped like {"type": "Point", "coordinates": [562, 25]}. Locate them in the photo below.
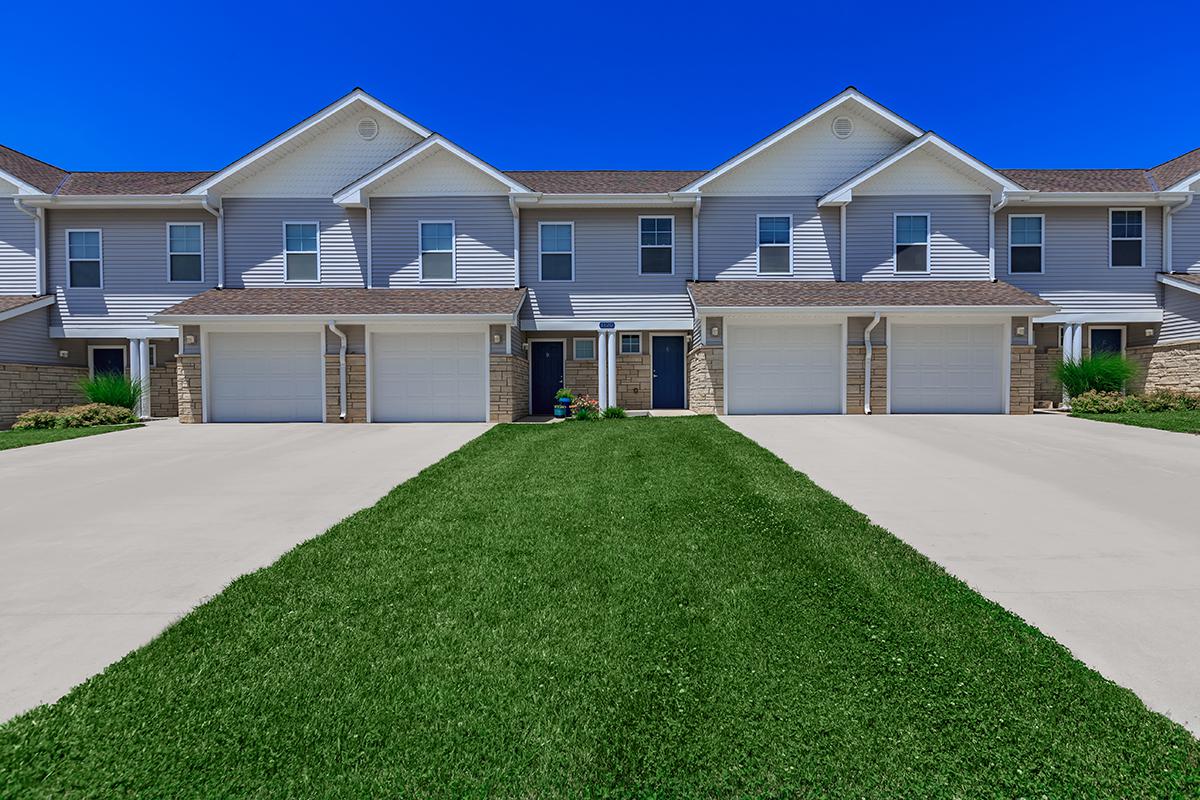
{"type": "Point", "coordinates": [360, 267]}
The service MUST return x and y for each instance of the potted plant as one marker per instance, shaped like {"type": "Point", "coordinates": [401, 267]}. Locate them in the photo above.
{"type": "Point", "coordinates": [562, 402]}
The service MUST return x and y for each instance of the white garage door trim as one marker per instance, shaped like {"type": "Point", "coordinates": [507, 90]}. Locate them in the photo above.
{"type": "Point", "coordinates": [209, 378]}
{"type": "Point", "coordinates": [373, 404]}
{"type": "Point", "coordinates": [731, 330]}
{"type": "Point", "coordinates": [1004, 357]}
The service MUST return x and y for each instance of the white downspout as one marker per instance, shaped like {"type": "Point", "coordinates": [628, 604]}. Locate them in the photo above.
{"type": "Point", "coordinates": [217, 212]}
{"type": "Point", "coordinates": [341, 370]}
{"type": "Point", "coordinates": [1168, 233]}
{"type": "Point", "coordinates": [39, 252]}
{"type": "Point", "coordinates": [992, 235]}
{"type": "Point", "coordinates": [516, 215]}
{"type": "Point", "coordinates": [696, 240]}
{"type": "Point", "coordinates": [370, 281]}
{"type": "Point", "coordinates": [842, 239]}
{"type": "Point", "coordinates": [867, 363]}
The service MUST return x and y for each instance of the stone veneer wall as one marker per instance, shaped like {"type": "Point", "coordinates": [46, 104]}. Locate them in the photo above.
{"type": "Point", "coordinates": [48, 387]}
{"type": "Point", "coordinates": [706, 379]}
{"type": "Point", "coordinates": [508, 378]}
{"type": "Point", "coordinates": [633, 381]}
{"type": "Point", "coordinates": [188, 390]}
{"type": "Point", "coordinates": [1166, 366]}
{"type": "Point", "coordinates": [1047, 391]}
{"type": "Point", "coordinates": [1022, 383]}
{"type": "Point", "coordinates": [583, 377]}
{"type": "Point", "coordinates": [856, 355]}
{"type": "Point", "coordinates": [356, 388]}
{"type": "Point", "coordinates": [164, 397]}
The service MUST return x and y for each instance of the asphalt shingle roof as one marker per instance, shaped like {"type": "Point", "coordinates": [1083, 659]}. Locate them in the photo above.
{"type": "Point", "coordinates": [349, 302]}
{"type": "Point", "coordinates": [99, 183]}
{"type": "Point", "coordinates": [880, 294]}
{"type": "Point", "coordinates": [605, 181]}
{"type": "Point", "coordinates": [1082, 180]}
{"type": "Point", "coordinates": [38, 174]}
{"type": "Point", "coordinates": [9, 302]}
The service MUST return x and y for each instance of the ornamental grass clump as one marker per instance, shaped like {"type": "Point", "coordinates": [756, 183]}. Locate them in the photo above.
{"type": "Point", "coordinates": [1102, 372]}
{"type": "Point", "coordinates": [112, 389]}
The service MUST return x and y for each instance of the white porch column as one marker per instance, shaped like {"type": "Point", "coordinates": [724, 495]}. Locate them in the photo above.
{"type": "Point", "coordinates": [135, 363]}
{"type": "Point", "coordinates": [613, 337]}
{"type": "Point", "coordinates": [1077, 342]}
{"type": "Point", "coordinates": [144, 359]}
{"type": "Point", "coordinates": [602, 369]}
{"type": "Point", "coordinates": [1068, 340]}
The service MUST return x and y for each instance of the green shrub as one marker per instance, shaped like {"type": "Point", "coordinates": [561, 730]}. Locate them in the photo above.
{"type": "Point", "coordinates": [1116, 403]}
{"type": "Point", "coordinates": [586, 414]}
{"type": "Point", "coordinates": [614, 412]}
{"type": "Point", "coordinates": [85, 416]}
{"type": "Point", "coordinates": [1099, 403]}
{"type": "Point", "coordinates": [1102, 372]}
{"type": "Point", "coordinates": [112, 389]}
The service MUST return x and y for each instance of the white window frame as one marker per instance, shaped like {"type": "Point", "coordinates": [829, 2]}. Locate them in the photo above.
{"type": "Point", "coordinates": [286, 252]}
{"type": "Point", "coordinates": [544, 223]}
{"type": "Point", "coordinates": [453, 251]}
{"type": "Point", "coordinates": [758, 246]}
{"type": "Point", "coordinates": [153, 356]}
{"type": "Point", "coordinates": [100, 232]}
{"type": "Point", "coordinates": [642, 247]}
{"type": "Point", "coordinates": [1111, 239]}
{"type": "Point", "coordinates": [1041, 246]}
{"type": "Point", "coordinates": [575, 348]}
{"type": "Point", "coordinates": [171, 225]}
{"type": "Point", "coordinates": [896, 215]}
{"type": "Point", "coordinates": [1121, 328]}
{"type": "Point", "coordinates": [621, 343]}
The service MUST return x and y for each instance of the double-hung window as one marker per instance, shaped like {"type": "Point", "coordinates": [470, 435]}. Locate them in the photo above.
{"type": "Point", "coordinates": [774, 245]}
{"type": "Point", "coordinates": [1026, 240]}
{"type": "Point", "coordinates": [631, 344]}
{"type": "Point", "coordinates": [657, 245]}
{"type": "Point", "coordinates": [556, 251]}
{"type": "Point", "coordinates": [437, 251]}
{"type": "Point", "coordinates": [912, 242]}
{"type": "Point", "coordinates": [1126, 245]}
{"type": "Point", "coordinates": [185, 252]}
{"type": "Point", "coordinates": [85, 260]}
{"type": "Point", "coordinates": [301, 251]}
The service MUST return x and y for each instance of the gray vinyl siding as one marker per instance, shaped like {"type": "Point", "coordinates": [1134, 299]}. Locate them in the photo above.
{"type": "Point", "coordinates": [607, 283]}
{"type": "Point", "coordinates": [254, 241]}
{"type": "Point", "coordinates": [356, 340]}
{"type": "Point", "coordinates": [483, 239]}
{"type": "Point", "coordinates": [25, 339]}
{"type": "Point", "coordinates": [1185, 230]}
{"type": "Point", "coordinates": [18, 264]}
{"type": "Point", "coordinates": [134, 247]}
{"type": "Point", "coordinates": [729, 238]}
{"type": "Point", "coordinates": [517, 339]}
{"type": "Point", "coordinates": [1076, 275]}
{"type": "Point", "coordinates": [1181, 315]}
{"type": "Point", "coordinates": [958, 237]}
{"type": "Point", "coordinates": [697, 331]}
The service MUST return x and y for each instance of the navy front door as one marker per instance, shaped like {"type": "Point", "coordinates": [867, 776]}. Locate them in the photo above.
{"type": "Point", "coordinates": [667, 356]}
{"type": "Point", "coordinates": [546, 375]}
{"type": "Point", "coordinates": [1107, 340]}
{"type": "Point", "coordinates": [108, 359]}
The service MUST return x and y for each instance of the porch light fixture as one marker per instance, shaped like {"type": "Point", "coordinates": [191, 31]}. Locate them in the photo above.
{"type": "Point", "coordinates": [1020, 330]}
{"type": "Point", "coordinates": [495, 338]}
{"type": "Point", "coordinates": [189, 339]}
{"type": "Point", "coordinates": [64, 353]}
{"type": "Point", "coordinates": [716, 331]}
{"type": "Point", "coordinates": [1149, 331]}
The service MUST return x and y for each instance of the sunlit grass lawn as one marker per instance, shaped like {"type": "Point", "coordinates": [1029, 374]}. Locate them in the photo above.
{"type": "Point", "coordinates": [10, 439]}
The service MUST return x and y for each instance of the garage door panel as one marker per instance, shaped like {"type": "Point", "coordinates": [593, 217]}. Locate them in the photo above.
{"type": "Point", "coordinates": [785, 369]}
{"type": "Point", "coordinates": [428, 377]}
{"type": "Point", "coordinates": [947, 368]}
{"type": "Point", "coordinates": [265, 377]}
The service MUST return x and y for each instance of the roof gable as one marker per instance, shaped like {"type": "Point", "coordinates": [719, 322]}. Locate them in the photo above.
{"type": "Point", "coordinates": [353, 193]}
{"type": "Point", "coordinates": [1178, 173]}
{"type": "Point", "coordinates": [27, 174]}
{"type": "Point", "coordinates": [438, 171]}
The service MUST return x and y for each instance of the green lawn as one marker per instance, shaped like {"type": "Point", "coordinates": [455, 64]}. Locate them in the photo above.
{"type": "Point", "coordinates": [11, 439]}
{"type": "Point", "coordinates": [648, 607]}
{"type": "Point", "coordinates": [1181, 421]}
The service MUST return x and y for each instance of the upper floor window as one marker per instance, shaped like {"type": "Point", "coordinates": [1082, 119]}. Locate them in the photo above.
{"type": "Point", "coordinates": [657, 246]}
{"type": "Point", "coordinates": [85, 260]}
{"type": "Point", "coordinates": [185, 252]}
{"type": "Point", "coordinates": [631, 343]}
{"type": "Point", "coordinates": [301, 251]}
{"type": "Point", "coordinates": [556, 246]}
{"type": "Point", "coordinates": [912, 243]}
{"type": "Point", "coordinates": [1126, 244]}
{"type": "Point", "coordinates": [1025, 241]}
{"type": "Point", "coordinates": [774, 245]}
{"type": "Point", "coordinates": [437, 251]}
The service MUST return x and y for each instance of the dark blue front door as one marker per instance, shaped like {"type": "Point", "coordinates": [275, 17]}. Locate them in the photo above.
{"type": "Point", "coordinates": [108, 359]}
{"type": "Point", "coordinates": [546, 375]}
{"type": "Point", "coordinates": [667, 355]}
{"type": "Point", "coordinates": [1106, 340]}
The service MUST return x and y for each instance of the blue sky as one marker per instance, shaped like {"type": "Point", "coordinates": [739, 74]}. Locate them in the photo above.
{"type": "Point", "coordinates": [598, 85]}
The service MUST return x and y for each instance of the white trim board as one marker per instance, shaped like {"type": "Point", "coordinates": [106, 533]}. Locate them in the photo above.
{"type": "Point", "coordinates": [33, 305]}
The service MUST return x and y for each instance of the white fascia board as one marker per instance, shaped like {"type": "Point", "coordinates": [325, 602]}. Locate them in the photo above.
{"type": "Point", "coordinates": [23, 188]}
{"type": "Point", "coordinates": [1166, 279]}
{"type": "Point", "coordinates": [358, 95]}
{"type": "Point", "coordinates": [119, 201]}
{"type": "Point", "coordinates": [254, 320]}
{"type": "Point", "coordinates": [1138, 315]}
{"type": "Point", "coordinates": [83, 332]}
{"type": "Point", "coordinates": [842, 194]}
{"type": "Point", "coordinates": [1024, 311]}
{"type": "Point", "coordinates": [1183, 184]}
{"type": "Point", "coordinates": [41, 302]}
{"type": "Point", "coordinates": [570, 324]}
{"type": "Point", "coordinates": [352, 194]}
{"type": "Point", "coordinates": [847, 96]}
{"type": "Point", "coordinates": [645, 199]}
{"type": "Point", "coordinates": [1095, 198]}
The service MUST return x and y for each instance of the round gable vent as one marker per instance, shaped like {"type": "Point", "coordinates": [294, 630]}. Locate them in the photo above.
{"type": "Point", "coordinates": [843, 127]}
{"type": "Point", "coordinates": [368, 128]}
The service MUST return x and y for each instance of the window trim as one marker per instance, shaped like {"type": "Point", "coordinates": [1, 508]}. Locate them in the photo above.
{"type": "Point", "coordinates": [541, 225]}
{"type": "Point", "coordinates": [453, 251]}
{"type": "Point", "coordinates": [758, 246]}
{"type": "Point", "coordinates": [67, 241]}
{"type": "Point", "coordinates": [575, 348]}
{"type": "Point", "coordinates": [1112, 239]}
{"type": "Point", "coordinates": [286, 252]}
{"type": "Point", "coordinates": [1121, 328]}
{"type": "Point", "coordinates": [621, 343]}
{"type": "Point", "coordinates": [92, 348]}
{"type": "Point", "coordinates": [896, 215]}
{"type": "Point", "coordinates": [199, 225]}
{"type": "Point", "coordinates": [1041, 246]}
{"type": "Point", "coordinates": [153, 348]}
{"type": "Point", "coordinates": [642, 247]}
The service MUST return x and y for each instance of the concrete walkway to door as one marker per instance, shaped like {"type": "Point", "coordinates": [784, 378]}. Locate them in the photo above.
{"type": "Point", "coordinates": [107, 540]}
{"type": "Point", "coordinates": [1087, 530]}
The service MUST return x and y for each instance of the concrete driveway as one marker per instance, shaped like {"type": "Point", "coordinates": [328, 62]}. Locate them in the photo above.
{"type": "Point", "coordinates": [106, 540]}
{"type": "Point", "coordinates": [1088, 530]}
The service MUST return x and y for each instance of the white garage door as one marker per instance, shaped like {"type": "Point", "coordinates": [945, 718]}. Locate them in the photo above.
{"type": "Point", "coordinates": [428, 377]}
{"type": "Point", "coordinates": [947, 369]}
{"type": "Point", "coordinates": [784, 369]}
{"type": "Point", "coordinates": [264, 377]}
